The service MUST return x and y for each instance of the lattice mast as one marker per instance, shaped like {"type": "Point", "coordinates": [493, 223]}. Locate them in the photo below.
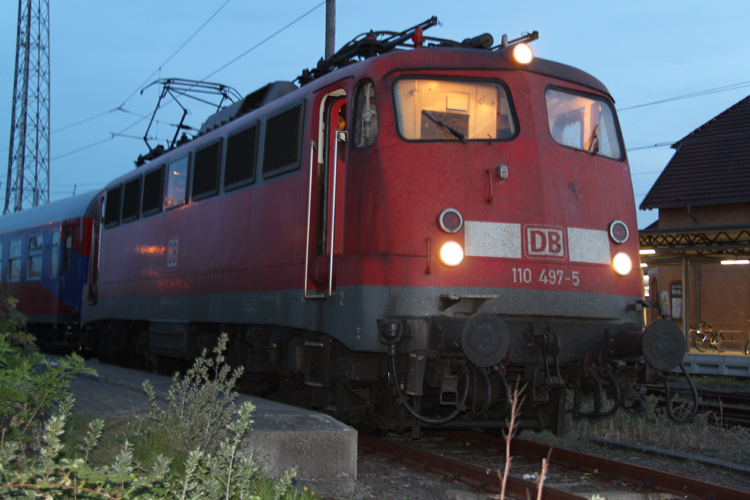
{"type": "Point", "coordinates": [28, 160]}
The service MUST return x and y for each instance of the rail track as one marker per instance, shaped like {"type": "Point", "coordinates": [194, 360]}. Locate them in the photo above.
{"type": "Point", "coordinates": [571, 475]}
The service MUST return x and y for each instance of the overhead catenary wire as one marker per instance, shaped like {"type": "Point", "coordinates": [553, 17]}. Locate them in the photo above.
{"type": "Point", "coordinates": [119, 108]}
{"type": "Point", "coordinates": [701, 93]}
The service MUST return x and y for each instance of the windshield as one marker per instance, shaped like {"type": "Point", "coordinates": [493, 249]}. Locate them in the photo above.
{"type": "Point", "coordinates": [450, 110]}
{"type": "Point", "coordinates": [583, 123]}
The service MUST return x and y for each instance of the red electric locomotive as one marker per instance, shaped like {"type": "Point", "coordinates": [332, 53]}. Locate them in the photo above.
{"type": "Point", "coordinates": [393, 241]}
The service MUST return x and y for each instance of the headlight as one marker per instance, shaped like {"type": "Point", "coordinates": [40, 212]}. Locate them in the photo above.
{"type": "Point", "coordinates": [522, 53]}
{"type": "Point", "coordinates": [451, 254]}
{"type": "Point", "coordinates": [622, 263]}
{"type": "Point", "coordinates": [450, 220]}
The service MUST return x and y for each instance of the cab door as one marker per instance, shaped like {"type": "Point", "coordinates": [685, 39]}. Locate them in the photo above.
{"type": "Point", "coordinates": [326, 197]}
{"type": "Point", "coordinates": [70, 269]}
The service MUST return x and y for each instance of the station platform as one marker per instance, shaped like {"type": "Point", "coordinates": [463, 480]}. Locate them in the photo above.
{"type": "Point", "coordinates": [730, 363]}
{"type": "Point", "coordinates": [322, 449]}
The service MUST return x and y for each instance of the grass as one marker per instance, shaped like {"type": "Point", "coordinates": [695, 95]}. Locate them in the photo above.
{"type": "Point", "coordinates": [702, 437]}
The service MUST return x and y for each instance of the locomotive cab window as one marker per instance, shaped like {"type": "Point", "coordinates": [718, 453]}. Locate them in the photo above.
{"type": "Point", "coordinates": [112, 207]}
{"type": "Point", "coordinates": [365, 116]}
{"type": "Point", "coordinates": [152, 191]}
{"type": "Point", "coordinates": [452, 110]}
{"type": "Point", "coordinates": [36, 249]}
{"type": "Point", "coordinates": [239, 166]}
{"type": "Point", "coordinates": [131, 200]}
{"type": "Point", "coordinates": [14, 260]}
{"type": "Point", "coordinates": [283, 142]}
{"type": "Point", "coordinates": [206, 171]}
{"type": "Point", "coordinates": [176, 184]}
{"type": "Point", "coordinates": [582, 122]}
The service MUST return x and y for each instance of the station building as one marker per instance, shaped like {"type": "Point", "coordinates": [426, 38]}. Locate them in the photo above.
{"type": "Point", "coordinates": [699, 248]}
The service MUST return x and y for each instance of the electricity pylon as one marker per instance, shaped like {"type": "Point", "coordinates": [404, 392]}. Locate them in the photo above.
{"type": "Point", "coordinates": [28, 160]}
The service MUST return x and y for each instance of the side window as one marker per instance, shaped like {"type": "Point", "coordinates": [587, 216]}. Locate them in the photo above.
{"type": "Point", "coordinates": [365, 116]}
{"type": "Point", "coordinates": [36, 249]}
{"type": "Point", "coordinates": [131, 200]}
{"type": "Point", "coordinates": [153, 185]}
{"type": "Point", "coordinates": [206, 171]}
{"type": "Point", "coordinates": [283, 142]}
{"type": "Point", "coordinates": [14, 260]}
{"type": "Point", "coordinates": [586, 123]}
{"type": "Point", "coordinates": [239, 167]}
{"type": "Point", "coordinates": [112, 208]}
{"type": "Point", "coordinates": [68, 253]}
{"type": "Point", "coordinates": [176, 184]}
{"type": "Point", "coordinates": [54, 256]}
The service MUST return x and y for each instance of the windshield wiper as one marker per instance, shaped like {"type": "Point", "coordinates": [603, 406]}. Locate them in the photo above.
{"type": "Point", "coordinates": [455, 133]}
{"type": "Point", "coordinates": [592, 145]}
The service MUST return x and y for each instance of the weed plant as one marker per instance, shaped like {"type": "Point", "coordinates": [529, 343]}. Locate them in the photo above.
{"type": "Point", "coordinates": [201, 426]}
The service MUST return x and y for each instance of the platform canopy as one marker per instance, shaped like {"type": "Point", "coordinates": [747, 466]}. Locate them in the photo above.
{"type": "Point", "coordinates": [700, 244]}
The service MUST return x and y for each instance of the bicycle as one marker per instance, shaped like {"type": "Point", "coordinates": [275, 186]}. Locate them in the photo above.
{"type": "Point", "coordinates": [747, 347]}
{"type": "Point", "coordinates": [704, 337]}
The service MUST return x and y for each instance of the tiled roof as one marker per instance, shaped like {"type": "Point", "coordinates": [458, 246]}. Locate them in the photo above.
{"type": "Point", "coordinates": [711, 165]}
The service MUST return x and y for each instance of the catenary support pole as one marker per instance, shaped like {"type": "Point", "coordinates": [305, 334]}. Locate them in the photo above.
{"type": "Point", "coordinates": [330, 28]}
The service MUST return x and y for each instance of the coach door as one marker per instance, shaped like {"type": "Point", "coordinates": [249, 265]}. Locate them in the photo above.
{"type": "Point", "coordinates": [69, 265]}
{"type": "Point", "coordinates": [325, 223]}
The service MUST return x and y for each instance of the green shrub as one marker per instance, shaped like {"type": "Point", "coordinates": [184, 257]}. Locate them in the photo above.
{"type": "Point", "coordinates": [201, 414]}
{"type": "Point", "coordinates": [30, 384]}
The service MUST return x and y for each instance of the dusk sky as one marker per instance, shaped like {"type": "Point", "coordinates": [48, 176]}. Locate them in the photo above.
{"type": "Point", "coordinates": [104, 53]}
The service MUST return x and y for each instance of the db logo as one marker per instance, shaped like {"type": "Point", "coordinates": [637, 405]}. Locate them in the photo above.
{"type": "Point", "coordinates": [172, 250]}
{"type": "Point", "coordinates": [544, 241]}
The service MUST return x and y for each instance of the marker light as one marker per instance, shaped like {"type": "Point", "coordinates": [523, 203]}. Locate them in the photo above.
{"type": "Point", "coordinates": [450, 220]}
{"type": "Point", "coordinates": [522, 53]}
{"type": "Point", "coordinates": [622, 263]}
{"type": "Point", "coordinates": [618, 231]}
{"type": "Point", "coordinates": [451, 254]}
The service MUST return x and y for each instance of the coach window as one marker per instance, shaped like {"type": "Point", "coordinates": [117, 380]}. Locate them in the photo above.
{"type": "Point", "coordinates": [206, 171]}
{"type": "Point", "coordinates": [365, 116]}
{"type": "Point", "coordinates": [239, 166]}
{"type": "Point", "coordinates": [54, 256]}
{"type": "Point", "coordinates": [112, 208]}
{"type": "Point", "coordinates": [283, 143]}
{"type": "Point", "coordinates": [177, 184]}
{"type": "Point", "coordinates": [131, 200]}
{"type": "Point", "coordinates": [36, 249]}
{"type": "Point", "coordinates": [153, 183]}
{"type": "Point", "coordinates": [582, 122]}
{"type": "Point", "coordinates": [14, 259]}
{"type": "Point", "coordinates": [453, 110]}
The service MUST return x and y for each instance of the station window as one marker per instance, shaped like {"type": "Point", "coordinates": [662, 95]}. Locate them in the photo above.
{"type": "Point", "coordinates": [283, 142]}
{"type": "Point", "coordinates": [54, 256]}
{"type": "Point", "coordinates": [112, 208]}
{"type": "Point", "coordinates": [131, 200]}
{"type": "Point", "coordinates": [177, 184]}
{"type": "Point", "coordinates": [239, 166]}
{"type": "Point", "coordinates": [453, 110]}
{"type": "Point", "coordinates": [14, 259]}
{"type": "Point", "coordinates": [153, 183]}
{"type": "Point", "coordinates": [206, 171]}
{"type": "Point", "coordinates": [36, 250]}
{"type": "Point", "coordinates": [582, 122]}
{"type": "Point", "coordinates": [365, 116]}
